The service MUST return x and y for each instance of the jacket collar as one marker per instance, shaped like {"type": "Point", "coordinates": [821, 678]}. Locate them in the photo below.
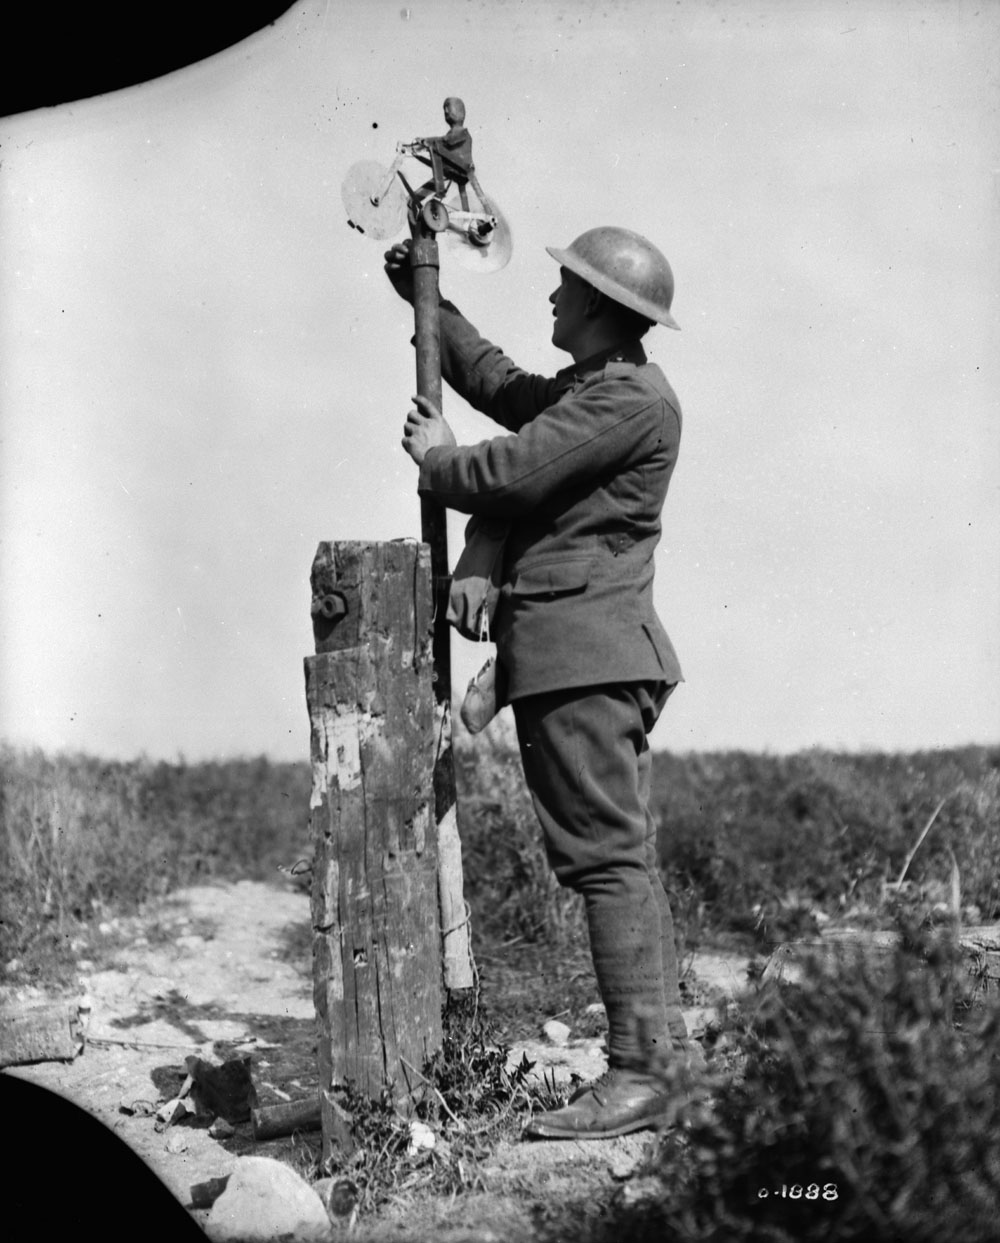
{"type": "Point", "coordinates": [630, 352]}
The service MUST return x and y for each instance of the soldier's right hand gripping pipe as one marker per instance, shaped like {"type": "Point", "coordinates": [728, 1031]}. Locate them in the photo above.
{"type": "Point", "coordinates": [582, 477]}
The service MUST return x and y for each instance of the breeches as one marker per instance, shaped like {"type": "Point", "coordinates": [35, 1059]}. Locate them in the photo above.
{"type": "Point", "coordinates": [588, 767]}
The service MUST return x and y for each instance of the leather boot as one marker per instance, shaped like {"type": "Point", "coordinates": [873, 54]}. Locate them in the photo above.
{"type": "Point", "coordinates": [620, 1102]}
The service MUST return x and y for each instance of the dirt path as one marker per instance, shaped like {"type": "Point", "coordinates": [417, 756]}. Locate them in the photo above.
{"type": "Point", "coordinates": [221, 970]}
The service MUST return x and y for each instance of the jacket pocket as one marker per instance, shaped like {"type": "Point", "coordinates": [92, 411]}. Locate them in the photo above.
{"type": "Point", "coordinates": [551, 578]}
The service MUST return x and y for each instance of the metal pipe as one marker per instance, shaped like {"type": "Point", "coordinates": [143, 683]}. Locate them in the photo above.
{"type": "Point", "coordinates": [433, 524]}
{"type": "Point", "coordinates": [458, 964]}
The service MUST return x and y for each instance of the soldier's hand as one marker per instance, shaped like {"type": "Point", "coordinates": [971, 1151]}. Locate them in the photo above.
{"type": "Point", "coordinates": [425, 428]}
{"type": "Point", "coordinates": [399, 270]}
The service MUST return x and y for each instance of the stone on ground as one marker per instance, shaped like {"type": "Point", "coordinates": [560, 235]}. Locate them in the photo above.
{"type": "Point", "coordinates": [265, 1200]}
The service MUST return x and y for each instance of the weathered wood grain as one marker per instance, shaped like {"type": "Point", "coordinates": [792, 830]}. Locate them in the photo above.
{"type": "Point", "coordinates": [45, 1031]}
{"type": "Point", "coordinates": [377, 933]}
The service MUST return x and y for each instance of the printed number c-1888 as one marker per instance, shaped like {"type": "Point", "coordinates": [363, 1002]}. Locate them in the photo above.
{"type": "Point", "coordinates": [797, 1192]}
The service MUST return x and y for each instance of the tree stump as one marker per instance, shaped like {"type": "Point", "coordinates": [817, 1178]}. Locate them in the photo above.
{"type": "Point", "coordinates": [376, 928]}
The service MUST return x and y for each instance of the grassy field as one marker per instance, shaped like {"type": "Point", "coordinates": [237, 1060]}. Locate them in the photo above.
{"type": "Point", "coordinates": [882, 1085]}
{"type": "Point", "coordinates": [758, 845]}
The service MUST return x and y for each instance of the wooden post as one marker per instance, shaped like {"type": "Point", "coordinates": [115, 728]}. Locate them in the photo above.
{"type": "Point", "coordinates": [459, 975]}
{"type": "Point", "coordinates": [376, 930]}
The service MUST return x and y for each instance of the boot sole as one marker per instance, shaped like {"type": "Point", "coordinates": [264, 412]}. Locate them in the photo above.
{"type": "Point", "coordinates": [552, 1132]}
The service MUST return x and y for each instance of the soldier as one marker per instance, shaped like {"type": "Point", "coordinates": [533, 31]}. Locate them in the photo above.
{"type": "Point", "coordinates": [581, 476]}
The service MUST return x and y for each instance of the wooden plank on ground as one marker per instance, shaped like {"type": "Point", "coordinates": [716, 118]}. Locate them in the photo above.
{"type": "Point", "coordinates": [43, 1031]}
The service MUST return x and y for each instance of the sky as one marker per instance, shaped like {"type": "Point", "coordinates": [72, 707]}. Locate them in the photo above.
{"type": "Point", "coordinates": [205, 372]}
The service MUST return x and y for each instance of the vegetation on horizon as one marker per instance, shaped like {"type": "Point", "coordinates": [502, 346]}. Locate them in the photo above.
{"type": "Point", "coordinates": [776, 845]}
{"type": "Point", "coordinates": [757, 844]}
{"type": "Point", "coordinates": [84, 838]}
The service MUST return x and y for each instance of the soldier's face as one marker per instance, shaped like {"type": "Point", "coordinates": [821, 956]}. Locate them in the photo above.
{"type": "Point", "coordinates": [569, 306]}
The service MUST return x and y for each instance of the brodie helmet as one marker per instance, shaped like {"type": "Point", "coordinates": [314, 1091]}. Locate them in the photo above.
{"type": "Point", "coordinates": [625, 267]}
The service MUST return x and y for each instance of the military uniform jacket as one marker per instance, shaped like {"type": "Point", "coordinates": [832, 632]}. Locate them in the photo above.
{"type": "Point", "coordinates": [581, 478]}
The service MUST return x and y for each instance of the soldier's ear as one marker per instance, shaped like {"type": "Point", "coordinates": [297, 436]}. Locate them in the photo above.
{"type": "Point", "coordinates": [596, 302]}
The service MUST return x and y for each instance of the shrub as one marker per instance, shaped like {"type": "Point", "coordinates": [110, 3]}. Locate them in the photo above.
{"type": "Point", "coordinates": [749, 842]}
{"type": "Point", "coordinates": [871, 1093]}
{"type": "Point", "coordinates": [762, 839]}
{"type": "Point", "coordinates": [81, 836]}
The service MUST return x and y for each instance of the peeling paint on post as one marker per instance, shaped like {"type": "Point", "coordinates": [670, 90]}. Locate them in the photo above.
{"type": "Point", "coordinates": [376, 928]}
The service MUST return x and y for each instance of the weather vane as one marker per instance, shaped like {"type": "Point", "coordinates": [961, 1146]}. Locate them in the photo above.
{"type": "Point", "coordinates": [379, 199]}
{"type": "Point", "coordinates": [453, 207]}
